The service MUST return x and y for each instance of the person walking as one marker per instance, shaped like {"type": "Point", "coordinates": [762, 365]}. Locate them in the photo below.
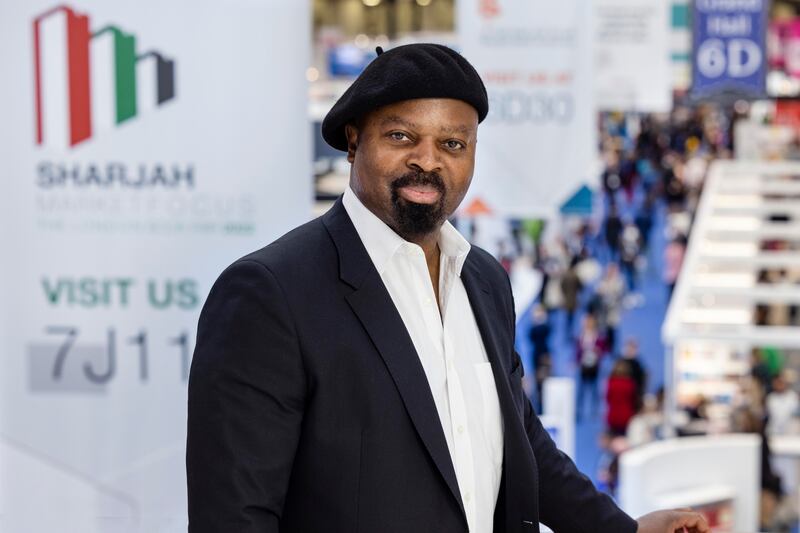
{"type": "Point", "coordinates": [571, 287]}
{"type": "Point", "coordinates": [620, 398]}
{"type": "Point", "coordinates": [611, 293]}
{"type": "Point", "coordinates": [590, 347]}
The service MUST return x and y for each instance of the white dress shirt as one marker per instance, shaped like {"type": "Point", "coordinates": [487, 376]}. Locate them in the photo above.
{"type": "Point", "coordinates": [450, 348]}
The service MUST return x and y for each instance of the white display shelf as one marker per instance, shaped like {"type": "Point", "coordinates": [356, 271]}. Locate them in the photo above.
{"type": "Point", "coordinates": [696, 496]}
{"type": "Point", "coordinates": [709, 329]}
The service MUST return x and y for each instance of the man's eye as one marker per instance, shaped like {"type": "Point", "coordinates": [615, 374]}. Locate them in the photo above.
{"type": "Point", "coordinates": [398, 136]}
{"type": "Point", "coordinates": [455, 145]}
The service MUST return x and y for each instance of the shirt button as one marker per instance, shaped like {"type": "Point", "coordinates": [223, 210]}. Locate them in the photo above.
{"type": "Point", "coordinates": [460, 430]}
{"type": "Point", "coordinates": [467, 496]}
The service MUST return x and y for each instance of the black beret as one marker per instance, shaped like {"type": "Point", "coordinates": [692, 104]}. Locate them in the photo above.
{"type": "Point", "coordinates": [404, 73]}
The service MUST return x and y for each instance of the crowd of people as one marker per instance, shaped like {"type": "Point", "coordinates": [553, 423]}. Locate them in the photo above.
{"type": "Point", "coordinates": [655, 167]}
{"type": "Point", "coordinates": [594, 269]}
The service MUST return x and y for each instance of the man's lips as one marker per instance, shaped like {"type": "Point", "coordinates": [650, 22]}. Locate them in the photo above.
{"type": "Point", "coordinates": [420, 194]}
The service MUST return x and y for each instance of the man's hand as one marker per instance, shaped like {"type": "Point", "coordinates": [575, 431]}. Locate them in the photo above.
{"type": "Point", "coordinates": [679, 521]}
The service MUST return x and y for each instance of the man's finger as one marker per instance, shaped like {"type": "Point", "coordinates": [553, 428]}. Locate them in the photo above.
{"type": "Point", "coordinates": [687, 522]}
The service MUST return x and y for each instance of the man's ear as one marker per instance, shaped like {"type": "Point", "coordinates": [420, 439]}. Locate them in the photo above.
{"type": "Point", "coordinates": [351, 133]}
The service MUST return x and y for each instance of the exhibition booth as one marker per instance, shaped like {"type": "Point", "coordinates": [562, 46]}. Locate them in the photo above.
{"type": "Point", "coordinates": [738, 291]}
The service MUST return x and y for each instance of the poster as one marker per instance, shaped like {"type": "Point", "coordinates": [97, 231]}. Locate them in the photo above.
{"type": "Point", "coordinates": [537, 146]}
{"type": "Point", "coordinates": [145, 146]}
{"type": "Point", "coordinates": [632, 32]}
{"type": "Point", "coordinates": [729, 49]}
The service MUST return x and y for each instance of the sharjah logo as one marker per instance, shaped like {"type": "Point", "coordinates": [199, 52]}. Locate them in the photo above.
{"type": "Point", "coordinates": [87, 80]}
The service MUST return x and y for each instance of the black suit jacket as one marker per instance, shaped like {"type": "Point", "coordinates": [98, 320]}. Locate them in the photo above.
{"type": "Point", "coordinates": [309, 410]}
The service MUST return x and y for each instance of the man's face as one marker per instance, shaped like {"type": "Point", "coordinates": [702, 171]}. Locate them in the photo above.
{"type": "Point", "coordinates": [412, 162]}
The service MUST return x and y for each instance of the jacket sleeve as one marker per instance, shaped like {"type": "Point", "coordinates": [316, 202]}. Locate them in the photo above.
{"type": "Point", "coordinates": [246, 396]}
{"type": "Point", "coordinates": [568, 501]}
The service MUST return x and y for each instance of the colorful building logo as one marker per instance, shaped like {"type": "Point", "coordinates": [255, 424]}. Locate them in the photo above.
{"type": "Point", "coordinates": [86, 81]}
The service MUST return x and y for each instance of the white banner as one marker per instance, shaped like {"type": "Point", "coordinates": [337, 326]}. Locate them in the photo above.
{"type": "Point", "coordinates": [632, 70]}
{"type": "Point", "coordinates": [145, 145]}
{"type": "Point", "coordinates": [537, 146]}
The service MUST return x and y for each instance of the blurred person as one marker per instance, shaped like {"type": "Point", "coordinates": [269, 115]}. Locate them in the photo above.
{"type": "Point", "coordinates": [630, 244]}
{"type": "Point", "coordinates": [760, 372]}
{"type": "Point", "coordinates": [630, 354]}
{"type": "Point", "coordinates": [644, 221]}
{"type": "Point", "coordinates": [774, 359]}
{"type": "Point", "coordinates": [646, 425]}
{"type": "Point", "coordinates": [539, 334]}
{"type": "Point", "coordinates": [648, 170]}
{"type": "Point", "coordinates": [771, 516]}
{"type": "Point", "coordinates": [611, 291]}
{"type": "Point", "coordinates": [781, 406]}
{"type": "Point", "coordinates": [673, 262]}
{"type": "Point", "coordinates": [674, 188]}
{"type": "Point", "coordinates": [629, 177]}
{"type": "Point", "coordinates": [590, 347]}
{"type": "Point", "coordinates": [571, 287]}
{"type": "Point", "coordinates": [555, 264]}
{"type": "Point", "coordinates": [610, 178]}
{"type": "Point", "coordinates": [359, 373]}
{"type": "Point", "coordinates": [621, 398]}
{"type": "Point", "coordinates": [504, 257]}
{"type": "Point", "coordinates": [613, 231]}
{"type": "Point", "coordinates": [697, 421]}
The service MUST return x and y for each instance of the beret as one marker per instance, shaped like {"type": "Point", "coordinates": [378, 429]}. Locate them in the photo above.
{"type": "Point", "coordinates": [405, 73]}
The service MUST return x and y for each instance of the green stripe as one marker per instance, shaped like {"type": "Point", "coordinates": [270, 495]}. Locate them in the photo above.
{"type": "Point", "coordinates": [124, 72]}
{"type": "Point", "coordinates": [125, 76]}
{"type": "Point", "coordinates": [680, 15]}
{"type": "Point", "coordinates": [681, 57]}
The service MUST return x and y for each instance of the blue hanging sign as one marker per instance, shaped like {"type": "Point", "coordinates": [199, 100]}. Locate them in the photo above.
{"type": "Point", "coordinates": [729, 49]}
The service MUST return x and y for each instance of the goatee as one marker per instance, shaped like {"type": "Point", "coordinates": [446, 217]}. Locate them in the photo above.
{"type": "Point", "coordinates": [413, 219]}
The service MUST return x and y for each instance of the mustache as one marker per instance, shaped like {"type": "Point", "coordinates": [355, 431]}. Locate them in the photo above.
{"type": "Point", "coordinates": [419, 178]}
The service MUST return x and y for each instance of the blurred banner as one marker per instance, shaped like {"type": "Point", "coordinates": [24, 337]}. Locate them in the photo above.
{"type": "Point", "coordinates": [145, 145]}
{"type": "Point", "coordinates": [537, 146]}
{"type": "Point", "coordinates": [729, 57]}
{"type": "Point", "coordinates": [626, 33]}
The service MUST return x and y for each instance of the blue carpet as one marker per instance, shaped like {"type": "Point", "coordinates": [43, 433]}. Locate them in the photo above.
{"type": "Point", "coordinates": [642, 322]}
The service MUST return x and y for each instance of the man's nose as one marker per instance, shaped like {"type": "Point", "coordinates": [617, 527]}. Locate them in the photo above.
{"type": "Point", "coordinates": [425, 156]}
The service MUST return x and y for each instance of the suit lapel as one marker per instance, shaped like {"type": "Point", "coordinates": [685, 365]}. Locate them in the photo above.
{"type": "Point", "coordinates": [518, 461]}
{"type": "Point", "coordinates": [373, 306]}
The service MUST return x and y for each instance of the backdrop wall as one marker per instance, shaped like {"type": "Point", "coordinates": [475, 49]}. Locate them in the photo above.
{"type": "Point", "coordinates": [145, 145]}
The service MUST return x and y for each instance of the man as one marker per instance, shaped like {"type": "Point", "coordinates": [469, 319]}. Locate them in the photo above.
{"type": "Point", "coordinates": [359, 374]}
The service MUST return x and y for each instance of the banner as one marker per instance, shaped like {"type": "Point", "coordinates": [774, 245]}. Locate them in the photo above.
{"type": "Point", "coordinates": [728, 51]}
{"type": "Point", "coordinates": [145, 146]}
{"type": "Point", "coordinates": [628, 33]}
{"type": "Point", "coordinates": [537, 146]}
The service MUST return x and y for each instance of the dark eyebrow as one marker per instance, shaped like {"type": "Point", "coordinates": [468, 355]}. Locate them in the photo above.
{"type": "Point", "coordinates": [463, 130]}
{"type": "Point", "coordinates": [394, 119]}
{"type": "Point", "coordinates": [450, 130]}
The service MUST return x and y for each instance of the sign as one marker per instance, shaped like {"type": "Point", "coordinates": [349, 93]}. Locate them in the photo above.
{"type": "Point", "coordinates": [728, 53]}
{"type": "Point", "coordinates": [632, 32]}
{"type": "Point", "coordinates": [145, 146]}
{"type": "Point", "coordinates": [537, 146]}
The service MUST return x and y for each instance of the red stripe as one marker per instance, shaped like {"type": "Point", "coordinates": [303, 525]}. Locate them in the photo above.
{"type": "Point", "coordinates": [80, 102]}
{"type": "Point", "coordinates": [37, 58]}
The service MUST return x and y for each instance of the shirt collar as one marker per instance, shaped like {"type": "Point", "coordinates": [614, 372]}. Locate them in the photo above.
{"type": "Point", "coordinates": [382, 243]}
